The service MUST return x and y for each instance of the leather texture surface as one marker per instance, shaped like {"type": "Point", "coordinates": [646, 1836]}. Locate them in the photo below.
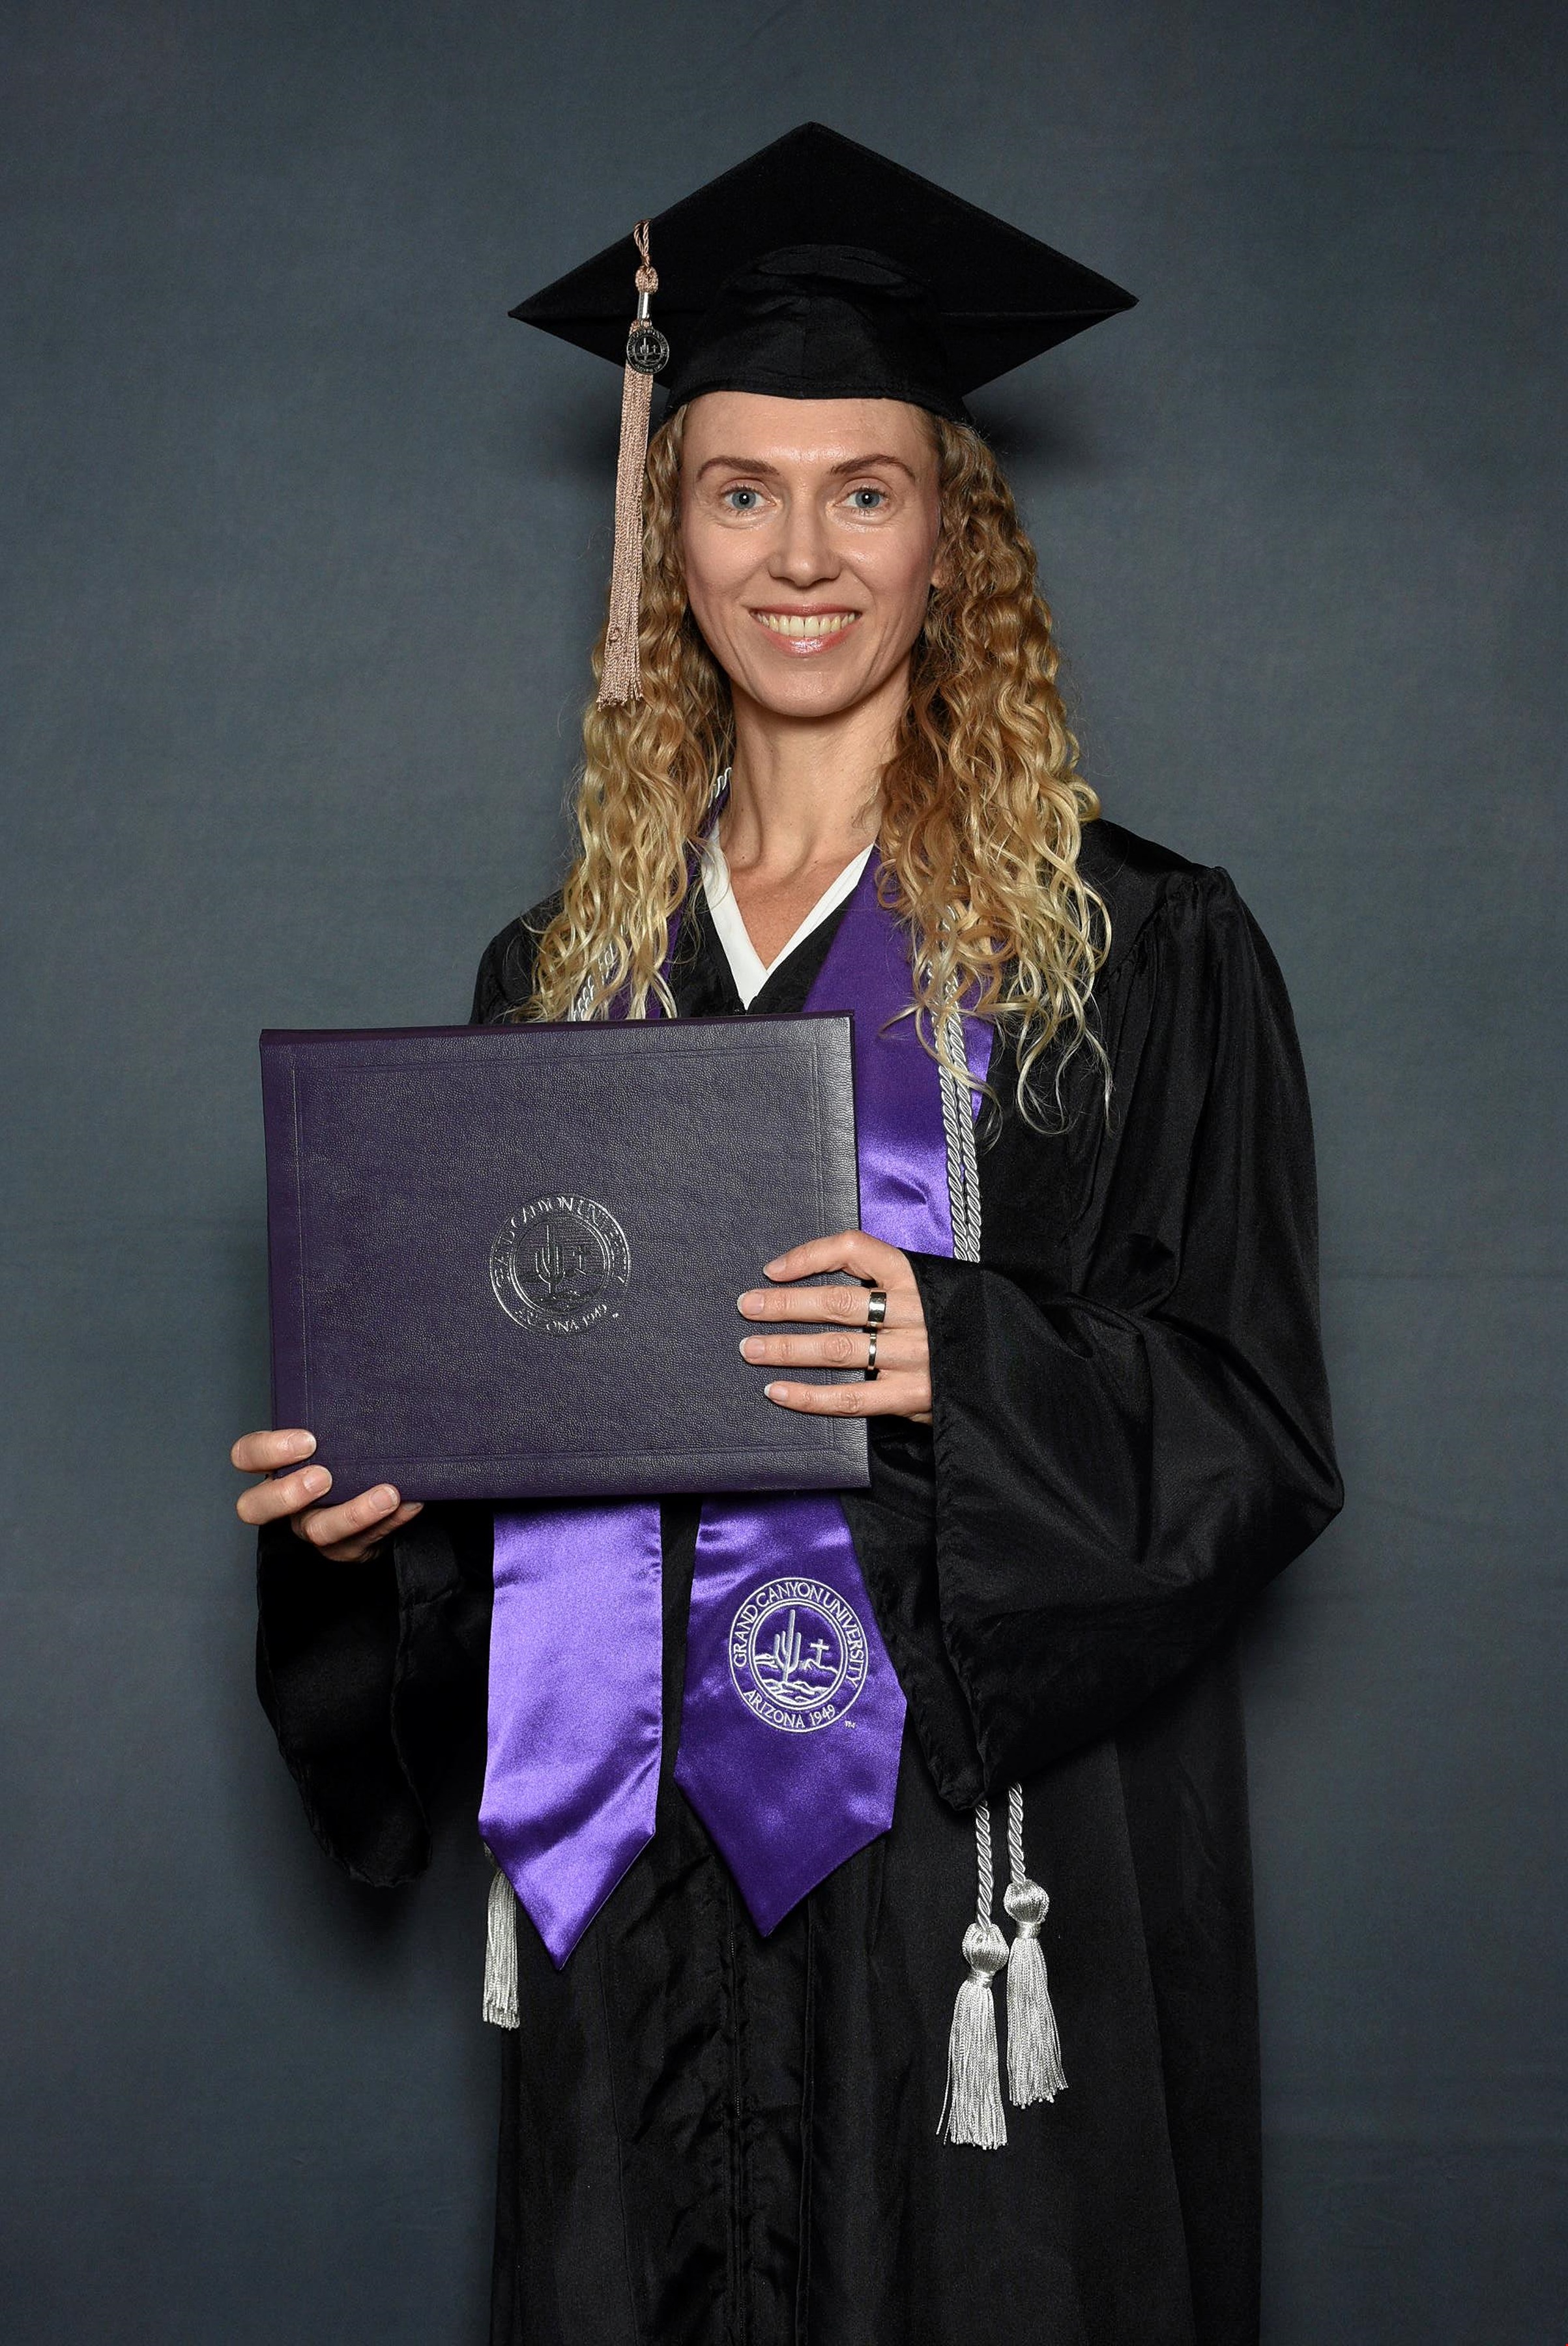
{"type": "Point", "coordinates": [439, 1324]}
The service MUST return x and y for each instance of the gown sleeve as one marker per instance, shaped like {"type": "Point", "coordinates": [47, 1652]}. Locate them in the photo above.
{"type": "Point", "coordinates": [1122, 1456]}
{"type": "Point", "coordinates": [373, 1674]}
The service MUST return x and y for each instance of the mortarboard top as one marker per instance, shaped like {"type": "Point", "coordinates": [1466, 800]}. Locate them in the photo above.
{"type": "Point", "coordinates": [817, 269]}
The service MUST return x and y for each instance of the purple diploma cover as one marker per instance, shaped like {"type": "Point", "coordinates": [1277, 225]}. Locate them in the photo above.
{"type": "Point", "coordinates": [504, 1261]}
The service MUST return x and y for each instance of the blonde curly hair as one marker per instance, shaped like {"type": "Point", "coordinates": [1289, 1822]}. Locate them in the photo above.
{"type": "Point", "coordinates": [983, 806]}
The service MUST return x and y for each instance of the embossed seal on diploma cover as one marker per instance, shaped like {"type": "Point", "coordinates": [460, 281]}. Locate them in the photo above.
{"type": "Point", "coordinates": [560, 1264]}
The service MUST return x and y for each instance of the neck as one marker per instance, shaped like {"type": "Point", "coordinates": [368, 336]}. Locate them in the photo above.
{"type": "Point", "coordinates": [805, 794]}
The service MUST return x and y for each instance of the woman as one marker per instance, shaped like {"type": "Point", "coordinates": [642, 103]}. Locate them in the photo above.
{"type": "Point", "coordinates": [1095, 1430]}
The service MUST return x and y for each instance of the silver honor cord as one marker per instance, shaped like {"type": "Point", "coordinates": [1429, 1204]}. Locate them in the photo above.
{"type": "Point", "coordinates": [971, 2109]}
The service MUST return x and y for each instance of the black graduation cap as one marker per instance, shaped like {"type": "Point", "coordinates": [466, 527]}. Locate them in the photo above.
{"type": "Point", "coordinates": [815, 270]}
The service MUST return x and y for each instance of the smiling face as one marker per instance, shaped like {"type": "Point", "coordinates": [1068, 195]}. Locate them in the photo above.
{"type": "Point", "coordinates": [809, 532]}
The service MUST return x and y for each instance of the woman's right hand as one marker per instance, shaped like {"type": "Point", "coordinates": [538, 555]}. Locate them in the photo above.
{"type": "Point", "coordinates": [347, 1534]}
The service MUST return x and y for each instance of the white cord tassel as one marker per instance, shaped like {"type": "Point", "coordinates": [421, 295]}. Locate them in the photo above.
{"type": "Point", "coordinates": [971, 2110]}
{"type": "Point", "coordinates": [501, 1953]}
{"type": "Point", "coordinates": [1033, 2048]}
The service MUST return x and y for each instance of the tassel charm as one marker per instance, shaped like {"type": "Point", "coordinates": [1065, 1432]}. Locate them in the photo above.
{"type": "Point", "coordinates": [620, 678]}
{"type": "Point", "coordinates": [1035, 2071]}
{"type": "Point", "coordinates": [501, 1953]}
{"type": "Point", "coordinates": [971, 2110]}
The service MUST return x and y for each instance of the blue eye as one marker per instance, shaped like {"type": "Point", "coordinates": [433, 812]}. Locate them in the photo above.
{"type": "Point", "coordinates": [742, 500]}
{"type": "Point", "coordinates": [867, 500]}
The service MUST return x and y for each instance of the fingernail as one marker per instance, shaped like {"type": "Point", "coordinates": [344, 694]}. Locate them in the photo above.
{"type": "Point", "coordinates": [751, 1303]}
{"type": "Point", "coordinates": [772, 1392]}
{"type": "Point", "coordinates": [770, 1270]}
{"type": "Point", "coordinates": [752, 1347]}
{"type": "Point", "coordinates": [385, 1496]}
{"type": "Point", "coordinates": [314, 1479]}
{"type": "Point", "coordinates": [300, 1444]}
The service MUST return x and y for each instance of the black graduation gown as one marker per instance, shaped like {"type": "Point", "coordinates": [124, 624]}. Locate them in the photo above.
{"type": "Point", "coordinates": [709, 2137]}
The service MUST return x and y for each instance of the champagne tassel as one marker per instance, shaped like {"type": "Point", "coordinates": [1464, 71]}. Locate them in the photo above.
{"type": "Point", "coordinates": [971, 2110]}
{"type": "Point", "coordinates": [501, 1953]}
{"type": "Point", "coordinates": [620, 678]}
{"type": "Point", "coordinates": [1033, 2048]}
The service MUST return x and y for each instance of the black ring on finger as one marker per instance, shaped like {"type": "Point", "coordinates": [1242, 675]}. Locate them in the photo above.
{"type": "Point", "coordinates": [876, 1307]}
{"type": "Point", "coordinates": [872, 1358]}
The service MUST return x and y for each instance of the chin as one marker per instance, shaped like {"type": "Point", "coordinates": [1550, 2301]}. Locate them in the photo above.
{"type": "Point", "coordinates": [821, 688]}
{"type": "Point", "coordinates": [805, 696]}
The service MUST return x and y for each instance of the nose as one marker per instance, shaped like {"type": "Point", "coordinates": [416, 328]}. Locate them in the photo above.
{"type": "Point", "coordinates": [803, 554]}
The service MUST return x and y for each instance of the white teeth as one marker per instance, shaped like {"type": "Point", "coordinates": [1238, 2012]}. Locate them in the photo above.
{"type": "Point", "coordinates": [805, 625]}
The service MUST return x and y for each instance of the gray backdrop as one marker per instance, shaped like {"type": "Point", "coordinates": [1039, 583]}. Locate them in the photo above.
{"type": "Point", "coordinates": [303, 546]}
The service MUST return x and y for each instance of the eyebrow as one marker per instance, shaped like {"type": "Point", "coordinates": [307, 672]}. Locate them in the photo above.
{"type": "Point", "coordinates": [850, 464]}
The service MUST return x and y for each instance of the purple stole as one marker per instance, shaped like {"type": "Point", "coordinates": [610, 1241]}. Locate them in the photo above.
{"type": "Point", "coordinates": [793, 1716]}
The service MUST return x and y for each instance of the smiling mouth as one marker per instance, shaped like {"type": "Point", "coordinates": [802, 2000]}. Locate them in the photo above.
{"type": "Point", "coordinates": [808, 629]}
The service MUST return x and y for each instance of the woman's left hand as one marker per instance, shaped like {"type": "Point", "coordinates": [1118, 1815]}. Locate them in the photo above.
{"type": "Point", "coordinates": [902, 1386]}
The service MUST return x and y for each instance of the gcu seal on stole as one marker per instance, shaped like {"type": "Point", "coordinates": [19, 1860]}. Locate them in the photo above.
{"type": "Point", "coordinates": [559, 1264]}
{"type": "Point", "coordinates": [796, 1655]}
